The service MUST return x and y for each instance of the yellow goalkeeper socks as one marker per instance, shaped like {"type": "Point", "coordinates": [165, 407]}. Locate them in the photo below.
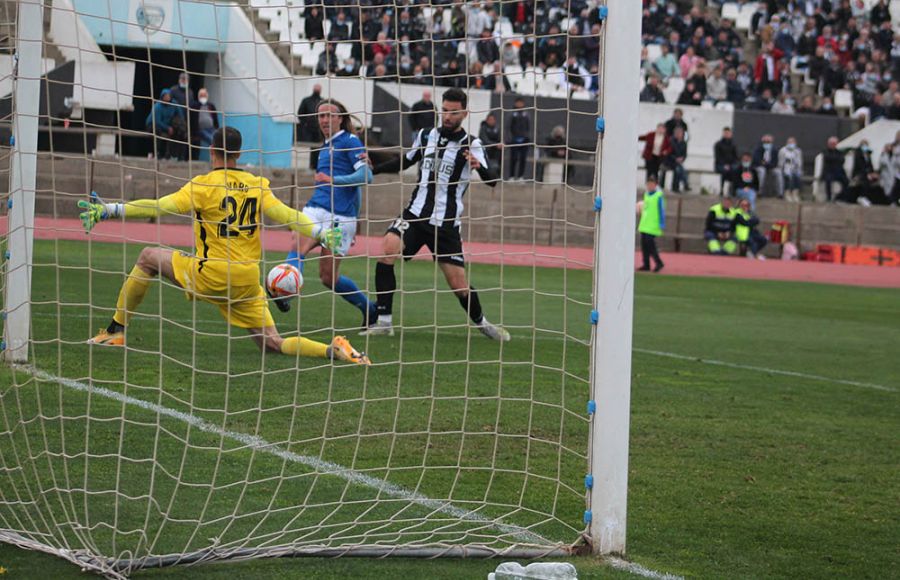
{"type": "Point", "coordinates": [131, 295]}
{"type": "Point", "coordinates": [304, 347]}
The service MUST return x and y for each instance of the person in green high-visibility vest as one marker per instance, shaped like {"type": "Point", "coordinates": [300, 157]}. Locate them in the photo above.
{"type": "Point", "coordinates": [652, 224]}
{"type": "Point", "coordinates": [750, 240]}
{"type": "Point", "coordinates": [719, 229]}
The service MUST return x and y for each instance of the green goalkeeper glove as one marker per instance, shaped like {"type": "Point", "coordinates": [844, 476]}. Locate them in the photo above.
{"type": "Point", "coordinates": [94, 212]}
{"type": "Point", "coordinates": [331, 238]}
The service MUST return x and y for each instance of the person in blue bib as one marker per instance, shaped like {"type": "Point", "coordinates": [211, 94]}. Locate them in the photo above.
{"type": "Point", "coordinates": [341, 171]}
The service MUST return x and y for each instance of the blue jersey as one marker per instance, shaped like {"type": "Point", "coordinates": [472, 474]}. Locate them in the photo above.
{"type": "Point", "coordinates": [339, 156]}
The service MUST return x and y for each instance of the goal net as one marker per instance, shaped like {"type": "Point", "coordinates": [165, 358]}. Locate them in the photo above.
{"type": "Point", "coordinates": [188, 443]}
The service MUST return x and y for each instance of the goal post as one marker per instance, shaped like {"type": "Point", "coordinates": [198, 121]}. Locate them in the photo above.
{"type": "Point", "coordinates": [22, 179]}
{"type": "Point", "coordinates": [614, 276]}
{"type": "Point", "coordinates": [189, 445]}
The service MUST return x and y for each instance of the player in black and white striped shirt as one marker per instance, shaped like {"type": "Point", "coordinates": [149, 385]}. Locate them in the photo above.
{"type": "Point", "coordinates": [446, 156]}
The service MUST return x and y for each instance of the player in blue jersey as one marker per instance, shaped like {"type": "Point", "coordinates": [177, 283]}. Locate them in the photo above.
{"type": "Point", "coordinates": [341, 171]}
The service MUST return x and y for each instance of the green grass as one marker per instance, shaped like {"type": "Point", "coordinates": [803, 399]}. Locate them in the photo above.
{"type": "Point", "coordinates": [733, 473]}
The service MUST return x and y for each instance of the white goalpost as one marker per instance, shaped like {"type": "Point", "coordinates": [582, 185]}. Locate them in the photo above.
{"type": "Point", "coordinates": [188, 444]}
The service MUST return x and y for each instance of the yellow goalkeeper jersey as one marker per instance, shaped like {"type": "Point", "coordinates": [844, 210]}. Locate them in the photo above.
{"type": "Point", "coordinates": [227, 205]}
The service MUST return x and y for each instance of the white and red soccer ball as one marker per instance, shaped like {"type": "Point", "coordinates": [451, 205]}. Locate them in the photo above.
{"type": "Point", "coordinates": [284, 281]}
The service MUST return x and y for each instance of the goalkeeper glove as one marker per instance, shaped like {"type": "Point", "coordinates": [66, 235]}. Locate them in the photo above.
{"type": "Point", "coordinates": [331, 238]}
{"type": "Point", "coordinates": [94, 212]}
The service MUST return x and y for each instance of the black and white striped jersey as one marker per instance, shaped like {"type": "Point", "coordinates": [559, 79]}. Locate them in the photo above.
{"type": "Point", "coordinates": [441, 199]}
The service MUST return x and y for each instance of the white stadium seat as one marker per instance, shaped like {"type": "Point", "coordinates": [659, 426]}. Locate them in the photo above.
{"type": "Point", "coordinates": [843, 99]}
{"type": "Point", "coordinates": [653, 52]}
{"type": "Point", "coordinates": [731, 10]}
{"type": "Point", "coordinates": [673, 90]}
{"type": "Point", "coordinates": [343, 50]}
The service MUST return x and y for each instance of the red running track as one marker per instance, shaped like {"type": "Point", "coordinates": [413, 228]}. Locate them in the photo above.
{"type": "Point", "coordinates": [508, 254]}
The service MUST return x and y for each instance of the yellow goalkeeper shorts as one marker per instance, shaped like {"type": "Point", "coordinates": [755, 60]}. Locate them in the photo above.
{"type": "Point", "coordinates": [242, 306]}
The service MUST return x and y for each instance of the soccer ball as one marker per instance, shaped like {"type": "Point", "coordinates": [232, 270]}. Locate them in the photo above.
{"type": "Point", "coordinates": [284, 281]}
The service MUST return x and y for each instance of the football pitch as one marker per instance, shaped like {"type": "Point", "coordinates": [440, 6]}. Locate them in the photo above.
{"type": "Point", "coordinates": [763, 435]}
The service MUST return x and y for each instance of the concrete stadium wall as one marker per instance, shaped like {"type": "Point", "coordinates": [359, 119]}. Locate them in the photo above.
{"type": "Point", "coordinates": [545, 215]}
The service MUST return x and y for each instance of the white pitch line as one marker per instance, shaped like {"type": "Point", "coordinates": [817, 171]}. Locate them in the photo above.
{"type": "Point", "coordinates": [639, 570]}
{"type": "Point", "coordinates": [319, 465]}
{"type": "Point", "coordinates": [766, 370]}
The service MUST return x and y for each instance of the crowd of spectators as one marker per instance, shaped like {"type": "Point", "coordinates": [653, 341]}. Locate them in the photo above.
{"type": "Point", "coordinates": [395, 41]}
{"type": "Point", "coordinates": [775, 170]}
{"type": "Point", "coordinates": [831, 44]}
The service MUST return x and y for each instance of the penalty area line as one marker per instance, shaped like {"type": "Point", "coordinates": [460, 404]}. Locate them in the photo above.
{"type": "Point", "coordinates": [799, 375]}
{"type": "Point", "coordinates": [638, 570]}
{"type": "Point", "coordinates": [320, 466]}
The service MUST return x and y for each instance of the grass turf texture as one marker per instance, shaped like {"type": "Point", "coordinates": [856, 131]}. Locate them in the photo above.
{"type": "Point", "coordinates": [733, 472]}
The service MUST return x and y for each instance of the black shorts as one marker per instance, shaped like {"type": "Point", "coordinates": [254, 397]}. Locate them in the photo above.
{"type": "Point", "coordinates": [444, 242]}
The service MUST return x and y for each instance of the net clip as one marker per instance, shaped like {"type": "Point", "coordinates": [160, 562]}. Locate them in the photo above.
{"type": "Point", "coordinates": [9, 204]}
{"type": "Point", "coordinates": [6, 254]}
{"type": "Point", "coordinates": [595, 317]}
{"type": "Point", "coordinates": [603, 13]}
{"type": "Point", "coordinates": [591, 407]}
{"type": "Point", "coordinates": [600, 125]}
{"type": "Point", "coordinates": [589, 481]}
{"type": "Point", "coordinates": [598, 203]}
{"type": "Point", "coordinates": [588, 516]}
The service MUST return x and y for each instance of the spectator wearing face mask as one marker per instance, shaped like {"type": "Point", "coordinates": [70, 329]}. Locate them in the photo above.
{"type": "Point", "coordinates": [182, 94]}
{"type": "Point", "coordinates": [833, 168]}
{"type": "Point", "coordinates": [765, 162]}
{"type": "Point", "coordinates": [185, 101]}
{"type": "Point", "coordinates": [790, 161]}
{"type": "Point", "coordinates": [207, 122]}
{"type": "Point", "coordinates": [746, 180]}
{"type": "Point", "coordinates": [726, 159]}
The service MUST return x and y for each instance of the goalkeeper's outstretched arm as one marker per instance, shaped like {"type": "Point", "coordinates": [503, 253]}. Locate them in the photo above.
{"type": "Point", "coordinates": [96, 211]}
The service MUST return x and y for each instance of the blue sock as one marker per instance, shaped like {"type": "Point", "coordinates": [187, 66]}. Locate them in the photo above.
{"type": "Point", "coordinates": [295, 260]}
{"type": "Point", "coordinates": [350, 292]}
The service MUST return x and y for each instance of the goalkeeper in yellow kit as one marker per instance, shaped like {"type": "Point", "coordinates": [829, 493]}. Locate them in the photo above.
{"type": "Point", "coordinates": [227, 204]}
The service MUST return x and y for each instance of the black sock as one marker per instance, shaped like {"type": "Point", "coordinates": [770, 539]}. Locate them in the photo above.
{"type": "Point", "coordinates": [472, 305]}
{"type": "Point", "coordinates": [114, 327]}
{"type": "Point", "coordinates": [385, 285]}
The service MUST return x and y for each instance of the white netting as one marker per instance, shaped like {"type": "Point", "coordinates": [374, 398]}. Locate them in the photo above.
{"type": "Point", "coordinates": [189, 444]}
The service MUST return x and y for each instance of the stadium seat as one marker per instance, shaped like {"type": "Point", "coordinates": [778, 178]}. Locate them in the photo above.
{"type": "Point", "coordinates": [309, 53]}
{"type": "Point", "coordinates": [512, 69]}
{"type": "Point", "coordinates": [673, 90]}
{"type": "Point", "coordinates": [555, 75]}
{"type": "Point", "coordinates": [343, 51]}
{"type": "Point", "coordinates": [546, 88]}
{"type": "Point", "coordinates": [745, 18]}
{"type": "Point", "coordinates": [653, 52]}
{"type": "Point", "coordinates": [843, 99]}
{"type": "Point", "coordinates": [528, 83]}
{"type": "Point", "coordinates": [725, 106]}
{"type": "Point", "coordinates": [731, 10]}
